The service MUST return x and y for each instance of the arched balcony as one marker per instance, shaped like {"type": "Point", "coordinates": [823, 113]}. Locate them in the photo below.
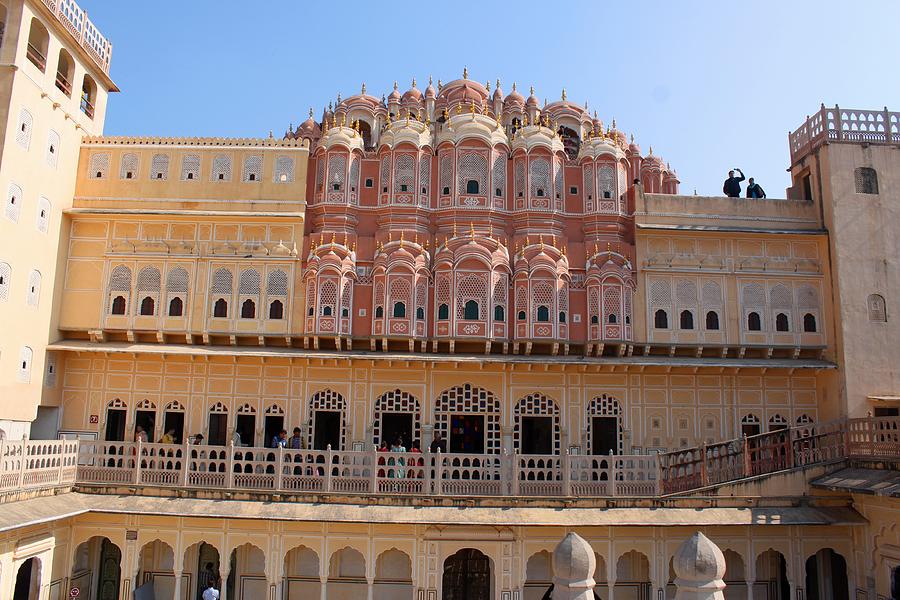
{"type": "Point", "coordinates": [400, 290]}
{"type": "Point", "coordinates": [471, 283]}
{"type": "Point", "coordinates": [538, 162]}
{"type": "Point", "coordinates": [338, 161]}
{"type": "Point", "coordinates": [610, 291]}
{"type": "Point", "coordinates": [330, 275]}
{"type": "Point", "coordinates": [604, 169]}
{"type": "Point", "coordinates": [541, 291]}
{"type": "Point", "coordinates": [405, 163]}
{"type": "Point", "coordinates": [472, 156]}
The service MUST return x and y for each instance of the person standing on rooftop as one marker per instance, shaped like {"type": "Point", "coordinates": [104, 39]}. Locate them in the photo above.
{"type": "Point", "coordinates": [732, 187]}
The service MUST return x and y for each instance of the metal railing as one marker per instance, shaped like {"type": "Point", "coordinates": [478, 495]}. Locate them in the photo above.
{"type": "Point", "coordinates": [836, 124]}
{"type": "Point", "coordinates": [26, 465]}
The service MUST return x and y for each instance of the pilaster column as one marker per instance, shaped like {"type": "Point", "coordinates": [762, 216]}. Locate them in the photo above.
{"type": "Point", "coordinates": [323, 588]}
{"type": "Point", "coordinates": [178, 593]}
{"type": "Point", "coordinates": [370, 589]}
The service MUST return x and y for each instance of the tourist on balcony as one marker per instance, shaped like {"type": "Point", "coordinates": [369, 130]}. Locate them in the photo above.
{"type": "Point", "coordinates": [197, 440]}
{"type": "Point", "coordinates": [754, 190]}
{"type": "Point", "coordinates": [732, 187]}
{"type": "Point", "coordinates": [168, 437]}
{"type": "Point", "coordinates": [400, 462]}
{"type": "Point", "coordinates": [296, 440]}
{"type": "Point", "coordinates": [211, 593]}
{"type": "Point", "coordinates": [280, 440]}
{"type": "Point", "coordinates": [140, 435]}
{"type": "Point", "coordinates": [211, 577]}
{"type": "Point", "coordinates": [417, 462]}
{"type": "Point", "coordinates": [438, 444]}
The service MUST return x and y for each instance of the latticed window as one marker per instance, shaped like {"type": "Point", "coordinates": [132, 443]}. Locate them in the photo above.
{"type": "Point", "coordinates": [223, 281]}
{"type": "Point", "coordinates": [685, 292]}
{"type": "Point", "coordinates": [780, 296]}
{"type": "Point", "coordinates": [558, 178]}
{"type": "Point", "coordinates": [13, 202]}
{"type": "Point", "coordinates": [808, 297]}
{"type": "Point", "coordinates": [498, 296]}
{"type": "Point", "coordinates": [337, 172]}
{"type": "Point", "coordinates": [42, 218]}
{"type": "Point", "coordinates": [541, 298]}
{"type": "Point", "coordinates": [498, 176]}
{"type": "Point", "coordinates": [379, 299]}
{"type": "Point", "coordinates": [605, 406]}
{"type": "Point", "coordinates": [395, 402]}
{"type": "Point", "coordinates": [33, 293]}
{"type": "Point", "coordinates": [346, 297]}
{"type": "Point", "coordinates": [120, 279]}
{"type": "Point", "coordinates": [606, 181]}
{"type": "Point", "coordinates": [612, 304]}
{"type": "Point", "coordinates": [588, 187]}
{"type": "Point", "coordinates": [25, 358]}
{"type": "Point", "coordinates": [711, 293]}
{"type": "Point", "coordinates": [425, 174]}
{"type": "Point", "coordinates": [148, 280]}
{"type": "Point", "coordinates": [249, 283]}
{"type": "Point", "coordinates": [519, 175]}
{"type": "Point", "coordinates": [310, 297]}
{"type": "Point", "coordinates": [399, 290]}
{"type": "Point", "coordinates": [472, 173]}
{"type": "Point", "coordinates": [623, 185]}
{"type": "Point", "coordinates": [277, 283]}
{"type": "Point", "coordinates": [24, 128]}
{"type": "Point", "coordinates": [385, 172]}
{"type": "Point", "coordinates": [521, 301]}
{"type": "Point", "coordinates": [445, 173]}
{"type": "Point", "coordinates": [5, 274]}
{"type": "Point", "coordinates": [129, 166]}
{"type": "Point", "coordinates": [876, 308]}
{"type": "Point", "coordinates": [320, 173]}
{"type": "Point", "coordinates": [159, 166]}
{"type": "Point", "coordinates": [421, 299]}
{"type": "Point", "coordinates": [536, 405]}
{"type": "Point", "coordinates": [404, 173]}
{"type": "Point", "coordinates": [539, 177]}
{"type": "Point", "coordinates": [866, 180]}
{"type": "Point", "coordinates": [327, 298]}
{"type": "Point", "coordinates": [467, 399]}
{"type": "Point", "coordinates": [99, 166]}
{"type": "Point", "coordinates": [284, 169]}
{"type": "Point", "coordinates": [328, 401]}
{"type": "Point", "coordinates": [594, 304]}
{"type": "Point", "coordinates": [221, 168]}
{"type": "Point", "coordinates": [190, 167]}
{"type": "Point", "coordinates": [52, 149]}
{"type": "Point", "coordinates": [354, 174]}
{"type": "Point", "coordinates": [177, 281]}
{"type": "Point", "coordinates": [754, 296]}
{"type": "Point", "coordinates": [660, 293]}
{"type": "Point", "coordinates": [252, 168]}
{"type": "Point", "coordinates": [471, 288]}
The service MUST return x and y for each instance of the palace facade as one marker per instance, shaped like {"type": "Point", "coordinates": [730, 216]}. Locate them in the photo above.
{"type": "Point", "coordinates": [509, 293]}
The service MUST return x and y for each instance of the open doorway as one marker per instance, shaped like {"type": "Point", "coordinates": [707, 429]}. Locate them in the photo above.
{"type": "Point", "coordinates": [394, 425]}
{"type": "Point", "coordinates": [218, 429]}
{"type": "Point", "coordinates": [246, 428]}
{"type": "Point", "coordinates": [467, 434]}
{"type": "Point", "coordinates": [115, 425]}
{"type": "Point", "coordinates": [604, 435]}
{"type": "Point", "coordinates": [208, 569]}
{"type": "Point", "coordinates": [273, 426]}
{"type": "Point", "coordinates": [28, 580]}
{"type": "Point", "coordinates": [327, 426]}
{"type": "Point", "coordinates": [146, 420]}
{"type": "Point", "coordinates": [537, 435]}
{"type": "Point", "coordinates": [174, 421]}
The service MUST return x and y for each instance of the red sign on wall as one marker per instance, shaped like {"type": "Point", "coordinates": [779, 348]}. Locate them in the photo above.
{"type": "Point", "coordinates": [95, 419]}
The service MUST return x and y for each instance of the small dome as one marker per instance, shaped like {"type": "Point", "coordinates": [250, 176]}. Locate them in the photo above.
{"type": "Point", "coordinates": [633, 147]}
{"type": "Point", "coordinates": [395, 95]}
{"type": "Point", "coordinates": [412, 94]}
{"type": "Point", "coordinates": [429, 91]}
{"type": "Point", "coordinates": [464, 91]}
{"type": "Point", "coordinates": [498, 93]}
{"type": "Point", "coordinates": [514, 98]}
{"type": "Point", "coordinates": [309, 128]}
{"type": "Point", "coordinates": [532, 99]}
{"type": "Point", "coordinates": [573, 560]}
{"type": "Point", "coordinates": [699, 559]}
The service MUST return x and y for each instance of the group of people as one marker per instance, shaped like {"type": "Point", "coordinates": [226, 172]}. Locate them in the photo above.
{"type": "Point", "coordinates": [140, 435]}
{"type": "Point", "coordinates": [732, 187]}
{"type": "Point", "coordinates": [281, 440]}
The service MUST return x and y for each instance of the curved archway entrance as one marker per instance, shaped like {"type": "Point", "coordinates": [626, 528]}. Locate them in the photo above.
{"type": "Point", "coordinates": [467, 576]}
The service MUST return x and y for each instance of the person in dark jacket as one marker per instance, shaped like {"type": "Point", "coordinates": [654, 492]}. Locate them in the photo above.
{"type": "Point", "coordinates": [732, 187]}
{"type": "Point", "coordinates": [754, 190]}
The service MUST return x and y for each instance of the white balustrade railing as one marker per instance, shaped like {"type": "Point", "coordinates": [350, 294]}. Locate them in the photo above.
{"type": "Point", "coordinates": [836, 124]}
{"type": "Point", "coordinates": [30, 465]}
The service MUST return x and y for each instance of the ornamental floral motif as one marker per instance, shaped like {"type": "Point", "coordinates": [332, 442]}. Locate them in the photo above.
{"type": "Point", "coordinates": [471, 329]}
{"type": "Point", "coordinates": [399, 327]}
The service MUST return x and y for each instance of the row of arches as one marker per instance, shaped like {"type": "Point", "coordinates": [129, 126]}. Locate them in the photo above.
{"type": "Point", "coordinates": [468, 573]}
{"type": "Point", "coordinates": [754, 321]}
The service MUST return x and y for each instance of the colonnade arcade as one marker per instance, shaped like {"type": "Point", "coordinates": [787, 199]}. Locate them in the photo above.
{"type": "Point", "coordinates": [261, 565]}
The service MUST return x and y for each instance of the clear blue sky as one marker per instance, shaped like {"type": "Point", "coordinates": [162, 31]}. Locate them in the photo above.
{"type": "Point", "coordinates": [710, 85]}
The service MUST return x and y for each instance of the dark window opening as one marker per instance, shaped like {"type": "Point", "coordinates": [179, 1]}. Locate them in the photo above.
{"type": "Point", "coordinates": [189, 176]}
{"type": "Point", "coordinates": [272, 426]}
{"type": "Point", "coordinates": [537, 435]}
{"type": "Point", "coordinates": [369, 182]}
{"type": "Point", "coordinates": [604, 435]}
{"type": "Point", "coordinates": [594, 320]}
{"type": "Point", "coordinates": [115, 425]}
{"type": "Point", "coordinates": [809, 323]}
{"type": "Point", "coordinates": [327, 311]}
{"type": "Point", "coordinates": [754, 323]}
{"type": "Point", "coordinates": [310, 311]}
{"type": "Point", "coordinates": [573, 190]}
{"type": "Point", "coordinates": [612, 318]}
{"type": "Point", "coordinates": [781, 322]}
{"type": "Point", "coordinates": [220, 309]}
{"type": "Point", "coordinates": [174, 421]}
{"type": "Point", "coordinates": [750, 429]}
{"type": "Point", "coordinates": [521, 315]}
{"type": "Point", "coordinates": [276, 310]}
{"type": "Point", "coordinates": [467, 434]}
{"type": "Point", "coordinates": [686, 320]}
{"type": "Point", "coordinates": [252, 177]}
{"type": "Point", "coordinates": [399, 310]}
{"type": "Point", "coordinates": [712, 320]}
{"type": "Point", "coordinates": [607, 194]}
{"type": "Point", "coordinates": [246, 428]}
{"type": "Point", "coordinates": [147, 306]}
{"type": "Point", "coordinates": [420, 314]}
{"type": "Point", "coordinates": [543, 314]}
{"type": "Point", "coordinates": [327, 430]}
{"type": "Point", "coordinates": [498, 192]}
{"type": "Point", "coordinates": [403, 187]}
{"type": "Point", "coordinates": [499, 313]}
{"type": "Point", "coordinates": [866, 180]}
{"type": "Point", "coordinates": [661, 319]}
{"type": "Point", "coordinates": [395, 426]}
{"type": "Point", "coordinates": [443, 312]}
{"type": "Point", "coordinates": [540, 192]}
{"type": "Point", "coordinates": [118, 305]}
{"type": "Point", "coordinates": [176, 307]}
{"type": "Point", "coordinates": [221, 176]}
{"type": "Point", "coordinates": [218, 429]}
{"type": "Point", "coordinates": [379, 312]}
{"type": "Point", "coordinates": [562, 317]}
{"type": "Point", "coordinates": [445, 191]}
{"type": "Point", "coordinates": [470, 311]}
{"type": "Point", "coordinates": [471, 187]}
{"type": "Point", "coordinates": [248, 309]}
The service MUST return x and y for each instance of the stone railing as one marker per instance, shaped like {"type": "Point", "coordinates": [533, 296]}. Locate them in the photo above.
{"type": "Point", "coordinates": [799, 446]}
{"type": "Point", "coordinates": [364, 472]}
{"type": "Point", "coordinates": [836, 124]}
{"type": "Point", "coordinates": [32, 465]}
{"type": "Point", "coordinates": [77, 23]}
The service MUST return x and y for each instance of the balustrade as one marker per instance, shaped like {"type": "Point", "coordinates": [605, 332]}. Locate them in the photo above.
{"type": "Point", "coordinates": [836, 124]}
{"type": "Point", "coordinates": [31, 465]}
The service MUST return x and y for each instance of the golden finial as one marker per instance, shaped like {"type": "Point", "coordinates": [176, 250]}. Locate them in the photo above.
{"type": "Point", "coordinates": [487, 85]}
{"type": "Point", "coordinates": [427, 121]}
{"type": "Point", "coordinates": [345, 239]}
{"type": "Point", "coordinates": [465, 73]}
{"type": "Point", "coordinates": [353, 246]}
{"type": "Point", "coordinates": [310, 112]}
{"type": "Point", "coordinates": [564, 94]}
{"type": "Point", "coordinates": [525, 120]}
{"type": "Point", "coordinates": [445, 241]}
{"type": "Point", "coordinates": [498, 83]}
{"type": "Point", "coordinates": [514, 86]}
{"type": "Point", "coordinates": [472, 106]}
{"type": "Point", "coordinates": [498, 119]}
{"type": "Point", "coordinates": [333, 237]}
{"type": "Point", "coordinates": [651, 151]}
{"type": "Point", "coordinates": [596, 248]}
{"type": "Point", "coordinates": [484, 109]}
{"type": "Point", "coordinates": [343, 120]}
{"type": "Point", "coordinates": [425, 245]}
{"type": "Point", "coordinates": [402, 240]}
{"type": "Point", "coordinates": [440, 85]}
{"type": "Point", "coordinates": [429, 80]}
{"type": "Point", "coordinates": [563, 250]}
{"type": "Point", "coordinates": [388, 122]}
{"type": "Point", "coordinates": [541, 240]}
{"type": "Point", "coordinates": [459, 108]}
{"type": "Point", "coordinates": [608, 248]}
{"type": "Point", "coordinates": [339, 98]}
{"type": "Point", "coordinates": [531, 91]}
{"type": "Point", "coordinates": [614, 122]}
{"type": "Point", "coordinates": [632, 138]}
{"type": "Point", "coordinates": [527, 242]}
{"type": "Point", "coordinates": [414, 82]}
{"type": "Point", "coordinates": [472, 229]}
{"type": "Point", "coordinates": [362, 89]}
{"type": "Point", "coordinates": [553, 240]}
{"type": "Point", "coordinates": [395, 86]}
{"type": "Point", "coordinates": [454, 229]}
{"type": "Point", "coordinates": [407, 118]}
{"type": "Point", "coordinates": [416, 237]}
{"type": "Point", "coordinates": [390, 236]}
